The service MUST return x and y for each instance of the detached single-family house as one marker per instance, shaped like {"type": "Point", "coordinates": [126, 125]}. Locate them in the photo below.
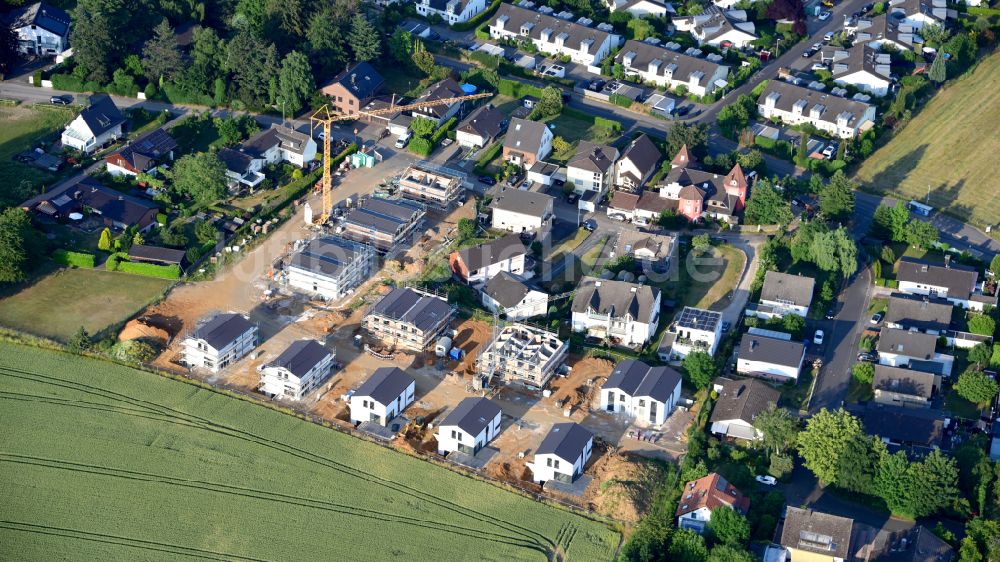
{"type": "Point", "coordinates": [787, 103]}
{"type": "Point", "coordinates": [330, 267]}
{"type": "Point", "coordinates": [591, 172]}
{"type": "Point", "coordinates": [703, 495]}
{"type": "Point", "coordinates": [451, 11]}
{"type": "Point", "coordinates": [563, 453]}
{"type": "Point", "coordinates": [299, 369]}
{"type": "Point", "coordinates": [116, 209]}
{"type": "Point", "coordinates": [904, 428]}
{"type": "Point", "coordinates": [469, 427]}
{"type": "Point", "coordinates": [481, 127]}
{"type": "Point", "coordinates": [627, 314]}
{"type": "Point", "coordinates": [383, 396]}
{"type": "Point", "coordinates": [353, 88]}
{"type": "Point", "coordinates": [904, 387]}
{"type": "Point", "coordinates": [695, 329]}
{"type": "Point", "coordinates": [783, 294]}
{"type": "Point", "coordinates": [652, 252]}
{"type": "Point", "coordinates": [526, 142]}
{"type": "Point", "coordinates": [242, 169]}
{"type": "Point", "coordinates": [97, 125]}
{"type": "Point", "coordinates": [638, 163]}
{"type": "Point", "coordinates": [41, 29]}
{"type": "Point", "coordinates": [957, 283]}
{"type": "Point", "coordinates": [142, 155]}
{"type": "Point", "coordinates": [930, 315]}
{"type": "Point", "coordinates": [641, 392]}
{"type": "Point", "coordinates": [672, 69]}
{"type": "Point", "coordinates": [483, 262]}
{"type": "Point", "coordinates": [428, 184]}
{"type": "Point", "coordinates": [771, 355]}
{"type": "Point", "coordinates": [719, 28]}
{"type": "Point", "coordinates": [511, 297]}
{"type": "Point", "coordinates": [642, 8]}
{"type": "Point", "coordinates": [220, 342]}
{"type": "Point", "coordinates": [281, 144]}
{"type": "Point", "coordinates": [738, 405]}
{"type": "Point", "coordinates": [439, 91]}
{"type": "Point", "coordinates": [408, 319]}
{"type": "Point", "coordinates": [816, 536]}
{"type": "Point", "coordinates": [899, 348]}
{"type": "Point", "coordinates": [865, 68]}
{"type": "Point", "coordinates": [516, 210]}
{"type": "Point", "coordinates": [554, 35]}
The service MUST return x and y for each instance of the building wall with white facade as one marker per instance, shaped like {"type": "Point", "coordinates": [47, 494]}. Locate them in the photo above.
{"type": "Point", "coordinates": [198, 354]}
{"type": "Point", "coordinates": [787, 372]}
{"type": "Point", "coordinates": [552, 467]}
{"type": "Point", "coordinates": [632, 332]}
{"type": "Point", "coordinates": [640, 408]}
{"type": "Point", "coordinates": [78, 136]}
{"type": "Point", "coordinates": [535, 303]}
{"type": "Point", "coordinates": [278, 381]}
{"type": "Point", "coordinates": [365, 408]}
{"type": "Point", "coordinates": [454, 12]}
{"type": "Point", "coordinates": [451, 438]}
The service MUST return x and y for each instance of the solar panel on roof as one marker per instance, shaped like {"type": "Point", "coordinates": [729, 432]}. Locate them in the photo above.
{"type": "Point", "coordinates": [699, 319]}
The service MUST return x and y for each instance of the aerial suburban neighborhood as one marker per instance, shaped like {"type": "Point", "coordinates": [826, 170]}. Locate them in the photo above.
{"type": "Point", "coordinates": [595, 280]}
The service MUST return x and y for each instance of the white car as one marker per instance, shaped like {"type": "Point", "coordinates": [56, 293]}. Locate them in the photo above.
{"type": "Point", "coordinates": [819, 66]}
{"type": "Point", "coordinates": [403, 139]}
{"type": "Point", "coordinates": [828, 36]}
{"type": "Point", "coordinates": [824, 15]}
{"type": "Point", "coordinates": [769, 480]}
{"type": "Point", "coordinates": [818, 337]}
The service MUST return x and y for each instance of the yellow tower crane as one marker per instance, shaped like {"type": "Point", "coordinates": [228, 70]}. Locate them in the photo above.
{"type": "Point", "coordinates": [325, 117]}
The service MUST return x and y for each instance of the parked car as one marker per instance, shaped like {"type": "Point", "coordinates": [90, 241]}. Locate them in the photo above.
{"type": "Point", "coordinates": [403, 139]}
{"type": "Point", "coordinates": [487, 180]}
{"type": "Point", "coordinates": [818, 337]}
{"type": "Point", "coordinates": [830, 151]}
{"type": "Point", "coordinates": [682, 110]}
{"type": "Point", "coordinates": [617, 217]}
{"type": "Point", "coordinates": [572, 198]}
{"type": "Point", "coordinates": [819, 66]}
{"type": "Point", "coordinates": [828, 36]}
{"type": "Point", "coordinates": [590, 225]}
{"type": "Point", "coordinates": [769, 480]}
{"type": "Point", "coordinates": [808, 53]}
{"type": "Point", "coordinates": [824, 15]}
{"type": "Point", "coordinates": [868, 7]}
{"type": "Point", "coordinates": [726, 326]}
{"type": "Point", "coordinates": [876, 318]}
{"type": "Point", "coordinates": [61, 100]}
{"type": "Point", "coordinates": [867, 356]}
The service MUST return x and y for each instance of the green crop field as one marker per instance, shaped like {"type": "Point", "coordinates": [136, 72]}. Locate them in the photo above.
{"type": "Point", "coordinates": [111, 463]}
{"type": "Point", "coordinates": [947, 150]}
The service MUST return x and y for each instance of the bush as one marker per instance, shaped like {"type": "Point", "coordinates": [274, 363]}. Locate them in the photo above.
{"type": "Point", "coordinates": [474, 22]}
{"type": "Point", "coordinates": [67, 82]}
{"type": "Point", "coordinates": [36, 79]}
{"type": "Point", "coordinates": [443, 130]}
{"type": "Point", "coordinates": [421, 147]}
{"type": "Point", "coordinates": [150, 269]}
{"type": "Point", "coordinates": [864, 373]}
{"type": "Point", "coordinates": [73, 259]}
{"type": "Point", "coordinates": [161, 219]}
{"type": "Point", "coordinates": [620, 100]}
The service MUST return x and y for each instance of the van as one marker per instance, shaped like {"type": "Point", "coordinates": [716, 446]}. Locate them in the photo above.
{"type": "Point", "coordinates": [403, 139]}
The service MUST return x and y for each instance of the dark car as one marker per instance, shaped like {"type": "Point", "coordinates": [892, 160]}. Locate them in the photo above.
{"type": "Point", "coordinates": [682, 110]}
{"type": "Point", "coordinates": [868, 7]}
{"type": "Point", "coordinates": [61, 100]}
{"type": "Point", "coordinates": [487, 180]}
{"type": "Point", "coordinates": [831, 313]}
{"type": "Point", "coordinates": [572, 197]}
{"type": "Point", "coordinates": [868, 357]}
{"type": "Point", "coordinates": [590, 225]}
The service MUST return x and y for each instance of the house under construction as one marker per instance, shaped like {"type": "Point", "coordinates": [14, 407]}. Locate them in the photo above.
{"type": "Point", "coordinates": [522, 354]}
{"type": "Point", "coordinates": [408, 318]}
{"type": "Point", "coordinates": [426, 183]}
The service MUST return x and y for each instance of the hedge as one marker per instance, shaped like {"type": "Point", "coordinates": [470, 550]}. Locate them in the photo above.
{"type": "Point", "coordinates": [172, 94]}
{"type": "Point", "coordinates": [443, 130]}
{"type": "Point", "coordinates": [478, 19]}
{"type": "Point", "coordinates": [150, 269]}
{"type": "Point", "coordinates": [518, 90]}
{"type": "Point", "coordinates": [73, 259]}
{"type": "Point", "coordinates": [620, 100]}
{"type": "Point", "coordinates": [488, 155]}
{"type": "Point", "coordinates": [68, 82]}
{"type": "Point", "coordinates": [421, 147]}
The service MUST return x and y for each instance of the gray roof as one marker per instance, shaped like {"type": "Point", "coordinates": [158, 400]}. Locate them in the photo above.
{"type": "Point", "coordinates": [411, 307]}
{"type": "Point", "coordinates": [916, 426]}
{"type": "Point", "coordinates": [301, 356]}
{"type": "Point", "coordinates": [487, 122]}
{"type": "Point", "coordinates": [494, 251]}
{"type": "Point", "coordinates": [88, 192]}
{"type": "Point", "coordinates": [594, 157]}
{"type": "Point", "coordinates": [289, 139]}
{"type": "Point", "coordinates": [383, 215]}
{"type": "Point", "coordinates": [959, 280]}
{"type": "Point", "coordinates": [786, 288]}
{"type": "Point", "coordinates": [566, 441]}
{"type": "Point", "coordinates": [917, 311]}
{"type": "Point", "coordinates": [817, 532]}
{"type": "Point", "coordinates": [362, 80]}
{"type": "Point", "coordinates": [523, 202]}
{"type": "Point", "coordinates": [472, 415]}
{"type": "Point", "coordinates": [831, 106]}
{"type": "Point", "coordinates": [385, 384]}
{"type": "Point", "coordinates": [902, 342]}
{"type": "Point", "coordinates": [42, 14]}
{"type": "Point", "coordinates": [904, 381]}
{"type": "Point", "coordinates": [102, 114]}
{"type": "Point", "coordinates": [636, 378]}
{"type": "Point", "coordinates": [524, 136]}
{"type": "Point", "coordinates": [643, 154]}
{"type": "Point", "coordinates": [223, 330]}
{"type": "Point", "coordinates": [862, 58]}
{"type": "Point", "coordinates": [671, 64]}
{"type": "Point", "coordinates": [922, 545]}
{"type": "Point", "coordinates": [235, 161]}
{"type": "Point", "coordinates": [328, 255]}
{"type": "Point", "coordinates": [771, 350]}
{"type": "Point", "coordinates": [444, 89]}
{"type": "Point", "coordinates": [616, 298]}
{"type": "Point", "coordinates": [506, 289]}
{"type": "Point", "coordinates": [744, 400]}
{"type": "Point", "coordinates": [156, 253]}
{"type": "Point", "coordinates": [517, 19]}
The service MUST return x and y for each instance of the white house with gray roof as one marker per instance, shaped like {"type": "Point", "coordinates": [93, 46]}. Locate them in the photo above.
{"type": "Point", "coordinates": [330, 267]}
{"type": "Point", "coordinates": [220, 342]}
{"type": "Point", "coordinates": [695, 329]}
{"type": "Point", "coordinates": [383, 396]}
{"type": "Point", "coordinates": [717, 27]}
{"type": "Point", "coordinates": [783, 294]}
{"type": "Point", "coordinates": [303, 366]}
{"type": "Point", "coordinates": [481, 127]}
{"type": "Point", "coordinates": [516, 210]}
{"type": "Point", "coordinates": [469, 427]}
{"type": "Point", "coordinates": [281, 144]}
{"type": "Point", "coordinates": [451, 11]}
{"type": "Point", "coordinates": [737, 408]}
{"type": "Point", "coordinates": [563, 453]}
{"type": "Point", "coordinates": [771, 355]}
{"type": "Point", "coordinates": [483, 262]}
{"type": "Point", "coordinates": [98, 124]}
{"type": "Point", "coordinates": [627, 314]}
{"type": "Point", "coordinates": [41, 29]}
{"type": "Point", "coordinates": [553, 35]}
{"type": "Point", "coordinates": [592, 169]}
{"type": "Point", "coordinates": [913, 349]}
{"type": "Point", "coordinates": [642, 8]}
{"type": "Point", "coordinates": [787, 103]}
{"type": "Point", "coordinates": [958, 284]}
{"type": "Point", "coordinates": [672, 69]}
{"type": "Point", "coordinates": [641, 392]}
{"type": "Point", "coordinates": [526, 142]}
{"type": "Point", "coordinates": [510, 296]}
{"type": "Point", "coordinates": [863, 67]}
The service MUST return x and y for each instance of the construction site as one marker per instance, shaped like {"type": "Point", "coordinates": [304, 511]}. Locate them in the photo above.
{"type": "Point", "coordinates": [518, 353]}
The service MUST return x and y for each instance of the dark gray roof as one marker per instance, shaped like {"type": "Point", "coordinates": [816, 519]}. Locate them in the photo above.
{"type": "Point", "coordinates": [787, 95]}
{"type": "Point", "coordinates": [862, 58]}
{"type": "Point", "coordinates": [102, 114]}
{"type": "Point", "coordinates": [959, 280]}
{"type": "Point", "coordinates": [594, 157]}
{"type": "Point", "coordinates": [643, 154]}
{"type": "Point", "coordinates": [771, 350]}
{"type": "Point", "coordinates": [523, 202]}
{"type": "Point", "coordinates": [223, 329]}
{"type": "Point", "coordinates": [524, 136]}
{"type": "Point", "coordinates": [144, 152]}
{"type": "Point", "coordinates": [301, 356]}
{"type": "Point", "coordinates": [362, 80]}
{"type": "Point", "coordinates": [617, 298]}
{"type": "Point", "coordinates": [744, 400]}
{"type": "Point", "coordinates": [289, 139]}
{"type": "Point", "coordinates": [917, 311]}
{"type": "Point", "coordinates": [922, 545]}
{"type": "Point", "coordinates": [156, 253]}
{"type": "Point", "coordinates": [88, 192]}
{"type": "Point", "coordinates": [636, 378]}
{"type": "Point", "coordinates": [328, 255]}
{"type": "Point", "coordinates": [673, 64]}
{"type": "Point", "coordinates": [517, 19]}
{"type": "Point", "coordinates": [787, 288]}
{"type": "Point", "coordinates": [410, 307]}
{"type": "Point", "coordinates": [903, 381]}
{"type": "Point", "coordinates": [817, 532]}
{"type": "Point", "coordinates": [487, 122]}
{"type": "Point", "coordinates": [506, 289]}
{"type": "Point", "coordinates": [235, 161]}
{"type": "Point", "coordinates": [472, 415]}
{"type": "Point", "coordinates": [442, 90]}
{"type": "Point", "coordinates": [383, 215]}
{"type": "Point", "coordinates": [566, 441]}
{"type": "Point", "coordinates": [385, 384]}
{"type": "Point", "coordinates": [902, 342]}
{"type": "Point", "coordinates": [915, 426]}
{"type": "Point", "coordinates": [494, 251]}
{"type": "Point", "coordinates": [42, 14]}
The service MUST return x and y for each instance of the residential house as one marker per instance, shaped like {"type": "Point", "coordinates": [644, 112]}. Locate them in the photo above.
{"type": "Point", "coordinates": [918, 544]}
{"type": "Point", "coordinates": [382, 397]}
{"type": "Point", "coordinates": [543, 173]}
{"type": "Point", "coordinates": [451, 11]}
{"type": "Point", "coordinates": [638, 163]}
{"type": "Point", "coordinates": [719, 28]}
{"type": "Point", "coordinates": [483, 262]}
{"type": "Point", "coordinates": [624, 204]}
{"type": "Point", "coordinates": [426, 183]}
{"type": "Point", "coordinates": [330, 267]}
{"type": "Point", "coordinates": [918, 13]}
{"type": "Point", "coordinates": [888, 30]}
{"type": "Point", "coordinates": [155, 255]}
{"type": "Point", "coordinates": [563, 453]}
{"type": "Point", "coordinates": [469, 427]}
{"type": "Point", "coordinates": [220, 342]}
{"type": "Point", "coordinates": [816, 536]}
{"type": "Point", "coordinates": [772, 355]}
{"type": "Point", "coordinates": [509, 296]}
{"type": "Point", "coordinates": [116, 209]}
{"type": "Point", "coordinates": [695, 329]}
{"type": "Point", "coordinates": [913, 430]}
{"type": "Point", "coordinates": [901, 348]}
{"type": "Point", "coordinates": [694, 194]}
{"type": "Point", "coordinates": [98, 124]}
{"type": "Point", "coordinates": [353, 88]}
{"type": "Point", "coordinates": [923, 313]}
{"type": "Point", "coordinates": [652, 252]}
{"type": "Point", "coordinates": [242, 169]}
{"type": "Point", "coordinates": [383, 223]}
{"type": "Point", "coordinates": [554, 35]}
{"type": "Point", "coordinates": [303, 366]}
{"type": "Point", "coordinates": [865, 68]}
{"type": "Point", "coordinates": [904, 387]}
{"type": "Point", "coordinates": [41, 29]}
{"type": "Point", "coordinates": [438, 92]}
{"type": "Point", "coordinates": [642, 8]}
{"type": "Point", "coordinates": [526, 142]}
{"type": "Point", "coordinates": [408, 319]}
{"type": "Point", "coordinates": [672, 69]}
{"type": "Point", "coordinates": [794, 105]}
{"type": "Point", "coordinates": [784, 294]}
{"type": "Point", "coordinates": [705, 494]}
{"type": "Point", "coordinates": [641, 392]}
{"type": "Point", "coordinates": [481, 127]}
{"type": "Point", "coordinates": [142, 155]}
{"type": "Point", "coordinates": [738, 405]}
{"type": "Point", "coordinates": [522, 354]}
{"type": "Point", "coordinates": [281, 144]}
{"type": "Point", "coordinates": [591, 172]}
{"type": "Point", "coordinates": [627, 314]}
{"type": "Point", "coordinates": [516, 210]}
{"type": "Point", "coordinates": [956, 283]}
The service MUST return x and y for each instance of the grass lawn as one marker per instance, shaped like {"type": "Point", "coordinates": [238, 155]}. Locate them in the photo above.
{"type": "Point", "coordinates": [404, 81]}
{"type": "Point", "coordinates": [574, 126]}
{"type": "Point", "coordinates": [959, 406]}
{"type": "Point", "coordinates": [23, 128]}
{"type": "Point", "coordinates": [56, 305]}
{"type": "Point", "coordinates": [196, 135]}
{"type": "Point", "coordinates": [714, 281]}
{"type": "Point", "coordinates": [878, 304]}
{"type": "Point", "coordinates": [948, 147]}
{"type": "Point", "coordinates": [222, 478]}
{"type": "Point", "coordinates": [570, 244]}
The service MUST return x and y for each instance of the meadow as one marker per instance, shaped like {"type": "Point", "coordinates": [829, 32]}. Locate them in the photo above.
{"type": "Point", "coordinates": [24, 126]}
{"type": "Point", "coordinates": [112, 463]}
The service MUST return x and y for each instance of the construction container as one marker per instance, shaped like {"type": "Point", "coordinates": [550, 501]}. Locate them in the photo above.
{"type": "Point", "coordinates": [443, 346]}
{"type": "Point", "coordinates": [456, 353]}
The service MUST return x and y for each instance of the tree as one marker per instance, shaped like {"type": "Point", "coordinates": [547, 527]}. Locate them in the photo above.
{"type": "Point", "coordinates": [728, 526]}
{"type": "Point", "coordinates": [917, 489]}
{"type": "Point", "coordinates": [401, 46]}
{"type": "Point", "coordinates": [863, 372]}
{"type": "Point", "coordinates": [550, 103]}
{"type": "Point", "coordinates": [423, 127]}
{"type": "Point", "coordinates": [254, 64]}
{"type": "Point", "coordinates": [466, 229]}
{"type": "Point", "coordinates": [206, 232]}
{"type": "Point", "coordinates": [847, 252]}
{"type": "Point", "coordinates": [133, 351]}
{"type": "Point", "coordinates": [824, 251]}
{"type": "Point", "coordinates": [899, 218]}
{"type": "Point", "coordinates": [161, 57]}
{"type": "Point", "coordinates": [18, 245]}
{"type": "Point", "coordinates": [935, 34]}
{"type": "Point", "coordinates": [825, 439]}
{"type": "Point", "coordinates": [976, 387]}
{"type": "Point", "coordinates": [422, 59]}
{"type": "Point", "coordinates": [937, 73]}
{"type": "Point", "coordinates": [100, 36]}
{"type": "Point", "coordinates": [687, 546]}
{"type": "Point", "coordinates": [701, 243]}
{"type": "Point", "coordinates": [752, 159]}
{"type": "Point", "coordinates": [79, 341]}
{"type": "Point", "coordinates": [295, 82]}
{"type": "Point", "coordinates": [363, 39]}
{"type": "Point", "coordinates": [325, 43]}
{"type": "Point", "coordinates": [778, 429]}
{"type": "Point", "coordinates": [858, 464]}
{"type": "Point", "coordinates": [980, 355]}
{"type": "Point", "coordinates": [174, 236]}
{"type": "Point", "coordinates": [640, 29]}
{"type": "Point", "coordinates": [200, 176]}
{"type": "Point", "coordinates": [995, 265]}
{"type": "Point", "coordinates": [982, 324]}
{"type": "Point", "coordinates": [733, 118]}
{"type": "Point", "coordinates": [8, 49]}
{"type": "Point", "coordinates": [794, 325]}
{"type": "Point", "coordinates": [921, 234]}
{"type": "Point", "coordinates": [560, 145]}
{"type": "Point", "coordinates": [695, 136]}
{"type": "Point", "coordinates": [104, 242]}
{"type": "Point", "coordinates": [836, 200]}
{"type": "Point", "coordinates": [767, 206]}
{"type": "Point", "coordinates": [700, 368]}
{"type": "Point", "coordinates": [726, 553]}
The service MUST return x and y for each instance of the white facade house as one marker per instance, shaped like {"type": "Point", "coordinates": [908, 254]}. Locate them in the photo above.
{"type": "Point", "coordinates": [718, 27]}
{"type": "Point", "coordinates": [696, 329]}
{"type": "Point", "coordinates": [516, 210]}
{"type": "Point", "coordinates": [220, 342]}
{"type": "Point", "coordinates": [41, 29]}
{"type": "Point", "coordinates": [958, 284]}
{"type": "Point", "coordinates": [281, 144]}
{"type": "Point", "coordinates": [787, 103]}
{"type": "Point", "coordinates": [242, 169]}
{"type": "Point", "coordinates": [863, 67]}
{"type": "Point", "coordinates": [672, 69]}
{"type": "Point", "coordinates": [98, 124]}
{"type": "Point", "coordinates": [642, 393]}
{"type": "Point", "coordinates": [563, 453]}
{"type": "Point", "coordinates": [469, 427]}
{"type": "Point", "coordinates": [592, 168]}
{"type": "Point", "coordinates": [451, 11]}
{"type": "Point", "coordinates": [770, 355]}
{"type": "Point", "coordinates": [480, 127]}
{"type": "Point", "coordinates": [638, 162]}
{"type": "Point", "coordinates": [383, 396]}
{"type": "Point", "coordinates": [625, 314]}
{"type": "Point", "coordinates": [913, 349]}
{"type": "Point", "coordinates": [303, 366]}
{"type": "Point", "coordinates": [511, 297]}
{"type": "Point", "coordinates": [553, 35]}
{"type": "Point", "coordinates": [784, 294]}
{"type": "Point", "coordinates": [330, 267]}
{"type": "Point", "coordinates": [642, 8]}
{"type": "Point", "coordinates": [479, 264]}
